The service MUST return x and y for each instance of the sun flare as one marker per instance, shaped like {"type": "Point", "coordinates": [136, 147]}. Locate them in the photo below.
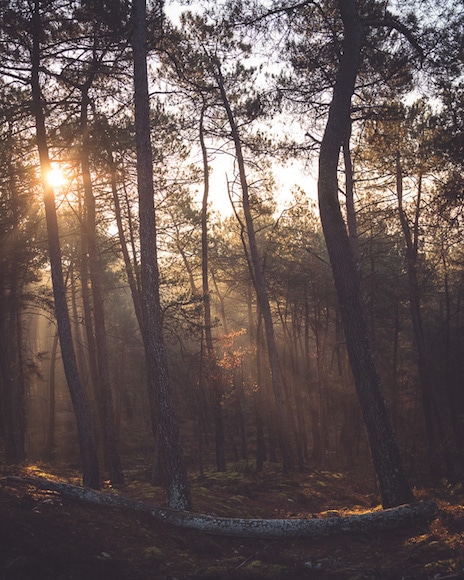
{"type": "Point", "coordinates": [55, 177]}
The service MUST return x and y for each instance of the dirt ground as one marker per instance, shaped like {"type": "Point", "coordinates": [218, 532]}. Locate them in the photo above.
{"type": "Point", "coordinates": [44, 536]}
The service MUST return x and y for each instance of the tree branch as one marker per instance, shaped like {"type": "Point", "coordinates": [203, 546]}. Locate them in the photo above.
{"type": "Point", "coordinates": [400, 27]}
{"type": "Point", "coordinates": [274, 11]}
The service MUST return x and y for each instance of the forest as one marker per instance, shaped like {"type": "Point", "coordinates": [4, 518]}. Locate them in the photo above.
{"type": "Point", "coordinates": [231, 252]}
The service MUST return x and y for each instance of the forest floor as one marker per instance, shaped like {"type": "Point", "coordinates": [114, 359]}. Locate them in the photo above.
{"type": "Point", "coordinates": [44, 536]}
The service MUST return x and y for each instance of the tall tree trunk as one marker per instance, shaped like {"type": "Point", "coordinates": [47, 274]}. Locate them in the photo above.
{"type": "Point", "coordinates": [320, 429]}
{"type": "Point", "coordinates": [11, 342]}
{"type": "Point", "coordinates": [76, 327]}
{"type": "Point", "coordinates": [104, 391]}
{"type": "Point", "coordinates": [175, 472]}
{"type": "Point", "coordinates": [222, 305]}
{"type": "Point", "coordinates": [258, 392]}
{"type": "Point", "coordinates": [81, 408]}
{"type": "Point", "coordinates": [432, 415]}
{"type": "Point", "coordinates": [285, 424]}
{"type": "Point", "coordinates": [454, 394]}
{"type": "Point", "coordinates": [393, 486]}
{"type": "Point", "coordinates": [213, 373]}
{"type": "Point", "coordinates": [12, 404]}
{"type": "Point", "coordinates": [395, 395]}
{"type": "Point", "coordinates": [349, 199]}
{"type": "Point", "coordinates": [50, 447]}
{"type": "Point", "coordinates": [87, 307]}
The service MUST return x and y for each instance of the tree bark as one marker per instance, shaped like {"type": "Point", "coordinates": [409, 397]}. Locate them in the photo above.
{"type": "Point", "coordinates": [175, 472]}
{"type": "Point", "coordinates": [81, 408]}
{"type": "Point", "coordinates": [393, 486]}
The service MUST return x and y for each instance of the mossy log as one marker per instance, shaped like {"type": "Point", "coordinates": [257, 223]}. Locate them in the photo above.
{"type": "Point", "coordinates": [389, 519]}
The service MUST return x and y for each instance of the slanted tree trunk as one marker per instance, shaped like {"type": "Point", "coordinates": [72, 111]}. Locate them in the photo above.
{"type": "Point", "coordinates": [175, 472]}
{"type": "Point", "coordinates": [393, 486]}
{"type": "Point", "coordinates": [134, 288]}
{"type": "Point", "coordinates": [285, 424]}
{"type": "Point", "coordinates": [84, 422]}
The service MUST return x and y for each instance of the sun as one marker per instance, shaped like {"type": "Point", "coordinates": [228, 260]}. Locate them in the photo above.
{"type": "Point", "coordinates": [55, 177]}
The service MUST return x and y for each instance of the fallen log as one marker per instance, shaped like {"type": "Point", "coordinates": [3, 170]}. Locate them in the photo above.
{"type": "Point", "coordinates": [389, 519]}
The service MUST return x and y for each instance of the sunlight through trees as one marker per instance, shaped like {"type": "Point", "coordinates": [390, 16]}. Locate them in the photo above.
{"type": "Point", "coordinates": [140, 324]}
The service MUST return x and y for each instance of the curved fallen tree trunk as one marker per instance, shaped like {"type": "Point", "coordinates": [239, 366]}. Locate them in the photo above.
{"type": "Point", "coordinates": [420, 512]}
